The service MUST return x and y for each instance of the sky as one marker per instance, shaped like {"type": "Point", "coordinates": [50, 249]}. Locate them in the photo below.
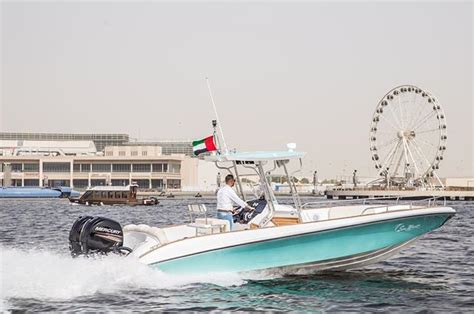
{"type": "Point", "coordinates": [308, 73]}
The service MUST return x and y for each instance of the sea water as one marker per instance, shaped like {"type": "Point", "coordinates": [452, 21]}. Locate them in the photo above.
{"type": "Point", "coordinates": [37, 272]}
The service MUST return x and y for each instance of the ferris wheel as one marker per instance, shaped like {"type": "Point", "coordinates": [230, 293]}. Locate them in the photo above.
{"type": "Point", "coordinates": [408, 137]}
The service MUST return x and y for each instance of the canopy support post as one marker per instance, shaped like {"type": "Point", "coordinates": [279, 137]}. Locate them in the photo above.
{"type": "Point", "coordinates": [239, 183]}
{"type": "Point", "coordinates": [292, 187]}
{"type": "Point", "coordinates": [268, 195]}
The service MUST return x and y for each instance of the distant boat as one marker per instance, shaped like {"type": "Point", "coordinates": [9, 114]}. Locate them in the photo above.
{"type": "Point", "coordinates": [113, 195]}
{"type": "Point", "coordinates": [37, 192]}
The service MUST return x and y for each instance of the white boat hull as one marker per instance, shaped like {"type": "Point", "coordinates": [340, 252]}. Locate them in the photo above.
{"type": "Point", "coordinates": [332, 244]}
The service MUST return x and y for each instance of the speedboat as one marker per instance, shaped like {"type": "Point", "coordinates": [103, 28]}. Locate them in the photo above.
{"type": "Point", "coordinates": [317, 235]}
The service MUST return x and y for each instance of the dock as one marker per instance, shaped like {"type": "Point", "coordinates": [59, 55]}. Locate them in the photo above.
{"type": "Point", "coordinates": [454, 195]}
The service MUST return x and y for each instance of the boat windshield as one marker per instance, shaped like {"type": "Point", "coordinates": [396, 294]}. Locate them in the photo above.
{"type": "Point", "coordinates": [87, 195]}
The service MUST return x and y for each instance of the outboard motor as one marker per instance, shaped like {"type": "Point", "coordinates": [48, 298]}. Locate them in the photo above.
{"type": "Point", "coordinates": [96, 235]}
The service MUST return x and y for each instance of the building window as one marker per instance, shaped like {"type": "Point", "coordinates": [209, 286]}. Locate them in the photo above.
{"type": "Point", "coordinates": [175, 168]}
{"type": "Point", "coordinates": [97, 182]}
{"type": "Point", "coordinates": [56, 167]}
{"type": "Point", "coordinates": [119, 182]}
{"type": "Point", "coordinates": [165, 167]}
{"type": "Point", "coordinates": [101, 167]}
{"type": "Point", "coordinates": [109, 153]}
{"type": "Point", "coordinates": [56, 183]}
{"type": "Point", "coordinates": [122, 153]}
{"type": "Point", "coordinates": [134, 153]}
{"type": "Point", "coordinates": [157, 167]}
{"type": "Point", "coordinates": [31, 167]}
{"type": "Point", "coordinates": [174, 183]}
{"type": "Point", "coordinates": [76, 167]}
{"type": "Point", "coordinates": [143, 183]}
{"type": "Point", "coordinates": [31, 182]}
{"type": "Point", "coordinates": [144, 153]}
{"type": "Point", "coordinates": [85, 167]}
{"type": "Point", "coordinates": [80, 183]}
{"type": "Point", "coordinates": [141, 168]}
{"type": "Point", "coordinates": [157, 183]}
{"type": "Point", "coordinates": [121, 168]}
{"type": "Point", "coordinates": [16, 167]}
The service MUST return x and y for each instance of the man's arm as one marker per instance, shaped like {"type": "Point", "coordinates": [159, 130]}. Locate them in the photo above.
{"type": "Point", "coordinates": [236, 199]}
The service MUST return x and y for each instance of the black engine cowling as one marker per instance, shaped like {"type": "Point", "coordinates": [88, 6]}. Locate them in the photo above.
{"type": "Point", "coordinates": [244, 215]}
{"type": "Point", "coordinates": [96, 235]}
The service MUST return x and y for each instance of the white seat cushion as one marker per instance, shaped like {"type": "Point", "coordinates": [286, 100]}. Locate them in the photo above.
{"type": "Point", "coordinates": [238, 226]}
{"type": "Point", "coordinates": [152, 231]}
{"type": "Point", "coordinates": [215, 222]}
{"type": "Point", "coordinates": [199, 226]}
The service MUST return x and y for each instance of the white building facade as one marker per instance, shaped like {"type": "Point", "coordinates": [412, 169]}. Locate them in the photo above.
{"type": "Point", "coordinates": [116, 166]}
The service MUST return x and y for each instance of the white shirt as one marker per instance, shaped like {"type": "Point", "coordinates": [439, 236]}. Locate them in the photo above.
{"type": "Point", "coordinates": [225, 196]}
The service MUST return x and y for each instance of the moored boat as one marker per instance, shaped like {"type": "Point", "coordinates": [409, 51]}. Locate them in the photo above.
{"type": "Point", "coordinates": [113, 195]}
{"type": "Point", "coordinates": [37, 192]}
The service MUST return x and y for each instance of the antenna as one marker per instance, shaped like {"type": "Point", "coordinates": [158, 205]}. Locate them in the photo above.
{"type": "Point", "coordinates": [217, 116]}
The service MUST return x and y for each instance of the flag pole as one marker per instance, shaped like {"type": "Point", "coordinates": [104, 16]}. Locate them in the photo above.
{"type": "Point", "coordinates": [217, 116]}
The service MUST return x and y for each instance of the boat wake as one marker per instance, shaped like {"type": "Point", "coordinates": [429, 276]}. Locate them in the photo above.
{"type": "Point", "coordinates": [48, 275]}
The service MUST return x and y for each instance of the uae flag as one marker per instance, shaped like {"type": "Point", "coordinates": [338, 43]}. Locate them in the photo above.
{"type": "Point", "coordinates": [205, 145]}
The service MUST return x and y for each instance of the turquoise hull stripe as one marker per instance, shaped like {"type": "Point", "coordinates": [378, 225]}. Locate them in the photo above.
{"type": "Point", "coordinates": [309, 248]}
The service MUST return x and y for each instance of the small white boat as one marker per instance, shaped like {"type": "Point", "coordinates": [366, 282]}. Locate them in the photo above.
{"type": "Point", "coordinates": [319, 235]}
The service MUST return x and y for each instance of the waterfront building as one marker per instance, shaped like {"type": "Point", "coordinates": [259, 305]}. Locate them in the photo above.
{"type": "Point", "coordinates": [52, 148]}
{"type": "Point", "coordinates": [116, 166]}
{"type": "Point", "coordinates": [168, 147]}
{"type": "Point", "coordinates": [459, 182]}
{"type": "Point", "coordinates": [100, 140]}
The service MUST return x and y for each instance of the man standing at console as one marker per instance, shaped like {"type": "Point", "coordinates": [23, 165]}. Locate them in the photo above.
{"type": "Point", "coordinates": [226, 197]}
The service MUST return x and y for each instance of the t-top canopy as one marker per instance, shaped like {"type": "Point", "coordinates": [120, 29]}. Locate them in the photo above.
{"type": "Point", "coordinates": [257, 156]}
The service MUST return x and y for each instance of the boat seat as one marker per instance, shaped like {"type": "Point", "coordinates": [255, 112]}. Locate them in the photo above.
{"type": "Point", "coordinates": [179, 232]}
{"type": "Point", "coordinates": [202, 226]}
{"type": "Point", "coordinates": [222, 224]}
{"type": "Point", "coordinates": [238, 227]}
{"type": "Point", "coordinates": [155, 232]}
